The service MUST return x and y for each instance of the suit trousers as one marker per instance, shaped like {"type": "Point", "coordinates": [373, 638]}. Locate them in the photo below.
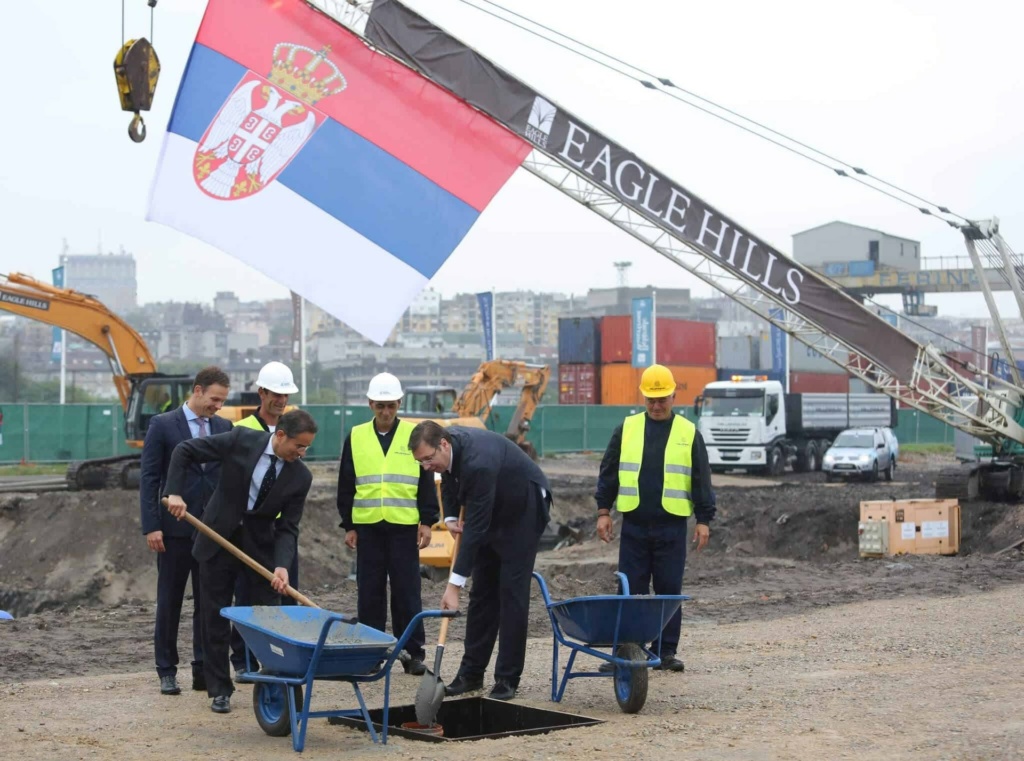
{"type": "Point", "coordinates": [386, 551]}
{"type": "Point", "coordinates": [655, 552]}
{"type": "Point", "coordinates": [217, 577]}
{"type": "Point", "coordinates": [173, 568]}
{"type": "Point", "coordinates": [499, 599]}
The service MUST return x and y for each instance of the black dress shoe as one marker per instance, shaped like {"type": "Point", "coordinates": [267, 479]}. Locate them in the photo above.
{"type": "Point", "coordinates": [461, 685]}
{"type": "Point", "coordinates": [413, 664]}
{"type": "Point", "coordinates": [221, 704]}
{"type": "Point", "coordinates": [669, 663]}
{"type": "Point", "coordinates": [169, 685]}
{"type": "Point", "coordinates": [502, 690]}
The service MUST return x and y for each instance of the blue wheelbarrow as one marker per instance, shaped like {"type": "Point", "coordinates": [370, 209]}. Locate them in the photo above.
{"type": "Point", "coordinates": [298, 645]}
{"type": "Point", "coordinates": [623, 624]}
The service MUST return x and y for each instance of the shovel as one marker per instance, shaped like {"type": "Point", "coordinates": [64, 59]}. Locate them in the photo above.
{"type": "Point", "coordinates": [202, 528]}
{"type": "Point", "coordinates": [430, 694]}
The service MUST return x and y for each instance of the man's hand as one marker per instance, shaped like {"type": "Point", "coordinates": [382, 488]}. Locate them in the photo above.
{"type": "Point", "coordinates": [423, 536]}
{"type": "Point", "coordinates": [450, 598]}
{"type": "Point", "coordinates": [701, 534]}
{"type": "Point", "coordinates": [351, 537]}
{"type": "Point", "coordinates": [280, 580]}
{"type": "Point", "coordinates": [604, 528]}
{"type": "Point", "coordinates": [454, 525]}
{"type": "Point", "coordinates": [176, 506]}
{"type": "Point", "coordinates": [155, 540]}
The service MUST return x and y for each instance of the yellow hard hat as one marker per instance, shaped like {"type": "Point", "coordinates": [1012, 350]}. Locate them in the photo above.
{"type": "Point", "coordinates": [657, 382]}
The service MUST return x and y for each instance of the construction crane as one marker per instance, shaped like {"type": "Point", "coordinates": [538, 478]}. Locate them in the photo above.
{"type": "Point", "coordinates": [578, 160]}
{"type": "Point", "coordinates": [143, 391]}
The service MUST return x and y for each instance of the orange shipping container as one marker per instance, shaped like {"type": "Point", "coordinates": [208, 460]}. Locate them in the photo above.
{"type": "Point", "coordinates": [620, 383]}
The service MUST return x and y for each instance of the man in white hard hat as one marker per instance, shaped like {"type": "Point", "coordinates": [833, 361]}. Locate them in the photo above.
{"type": "Point", "coordinates": [387, 506]}
{"type": "Point", "coordinates": [274, 384]}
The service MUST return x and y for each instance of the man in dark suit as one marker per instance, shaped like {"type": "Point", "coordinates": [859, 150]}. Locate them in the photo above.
{"type": "Point", "coordinates": [171, 540]}
{"type": "Point", "coordinates": [507, 504]}
{"type": "Point", "coordinates": [256, 506]}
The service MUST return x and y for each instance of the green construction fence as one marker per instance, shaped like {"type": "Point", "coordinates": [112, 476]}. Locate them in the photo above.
{"type": "Point", "coordinates": [41, 433]}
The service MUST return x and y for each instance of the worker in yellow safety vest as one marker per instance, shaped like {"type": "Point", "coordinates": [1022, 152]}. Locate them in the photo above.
{"type": "Point", "coordinates": [274, 384]}
{"type": "Point", "coordinates": [387, 506]}
{"type": "Point", "coordinates": [656, 472]}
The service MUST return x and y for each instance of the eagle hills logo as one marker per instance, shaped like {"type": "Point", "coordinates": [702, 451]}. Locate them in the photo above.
{"type": "Point", "coordinates": [265, 122]}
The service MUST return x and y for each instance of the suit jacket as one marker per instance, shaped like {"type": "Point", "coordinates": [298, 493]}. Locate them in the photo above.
{"type": "Point", "coordinates": [491, 477]}
{"type": "Point", "coordinates": [164, 433]}
{"type": "Point", "coordinates": [261, 534]}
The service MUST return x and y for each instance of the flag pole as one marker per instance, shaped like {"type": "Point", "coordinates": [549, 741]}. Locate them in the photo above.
{"type": "Point", "coordinates": [494, 328]}
{"type": "Point", "coordinates": [654, 326]}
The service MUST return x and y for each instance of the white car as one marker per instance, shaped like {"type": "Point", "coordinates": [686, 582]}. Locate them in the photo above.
{"type": "Point", "coordinates": [859, 452]}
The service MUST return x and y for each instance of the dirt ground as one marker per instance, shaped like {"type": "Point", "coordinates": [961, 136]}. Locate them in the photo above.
{"type": "Point", "coordinates": [795, 647]}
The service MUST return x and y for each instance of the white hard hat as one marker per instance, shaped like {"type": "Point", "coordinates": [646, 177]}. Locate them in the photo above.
{"type": "Point", "coordinates": [276, 377]}
{"type": "Point", "coordinates": [384, 388]}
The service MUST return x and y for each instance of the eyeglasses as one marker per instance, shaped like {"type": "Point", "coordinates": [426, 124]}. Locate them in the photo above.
{"type": "Point", "coordinates": [429, 459]}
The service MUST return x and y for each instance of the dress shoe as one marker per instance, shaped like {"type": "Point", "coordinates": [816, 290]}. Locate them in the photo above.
{"type": "Point", "coordinates": [461, 685]}
{"type": "Point", "coordinates": [169, 685]}
{"type": "Point", "coordinates": [669, 663]}
{"type": "Point", "coordinates": [412, 664]}
{"type": "Point", "coordinates": [241, 678]}
{"type": "Point", "coordinates": [221, 704]}
{"type": "Point", "coordinates": [502, 690]}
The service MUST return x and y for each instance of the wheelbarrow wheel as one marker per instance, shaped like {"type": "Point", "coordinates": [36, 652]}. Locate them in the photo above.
{"type": "Point", "coordinates": [631, 681]}
{"type": "Point", "coordinates": [270, 703]}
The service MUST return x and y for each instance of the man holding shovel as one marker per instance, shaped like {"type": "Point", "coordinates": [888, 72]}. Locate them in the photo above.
{"type": "Point", "coordinates": [506, 503]}
{"type": "Point", "coordinates": [257, 507]}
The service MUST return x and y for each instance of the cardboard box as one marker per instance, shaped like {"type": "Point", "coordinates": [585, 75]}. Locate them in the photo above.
{"type": "Point", "coordinates": [916, 526]}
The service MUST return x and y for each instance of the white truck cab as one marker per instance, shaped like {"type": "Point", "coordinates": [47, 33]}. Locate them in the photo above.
{"type": "Point", "coordinates": [738, 418]}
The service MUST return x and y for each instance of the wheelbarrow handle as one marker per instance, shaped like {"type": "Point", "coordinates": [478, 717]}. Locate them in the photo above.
{"type": "Point", "coordinates": [202, 528]}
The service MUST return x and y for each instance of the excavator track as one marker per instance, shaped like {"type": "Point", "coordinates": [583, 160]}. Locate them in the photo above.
{"type": "Point", "coordinates": [960, 482]}
{"type": "Point", "coordinates": [119, 472]}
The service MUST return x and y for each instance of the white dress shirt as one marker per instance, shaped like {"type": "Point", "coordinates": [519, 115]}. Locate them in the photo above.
{"type": "Point", "coordinates": [262, 466]}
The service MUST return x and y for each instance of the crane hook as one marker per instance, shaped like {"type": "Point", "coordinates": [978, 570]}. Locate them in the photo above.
{"type": "Point", "coordinates": [136, 69]}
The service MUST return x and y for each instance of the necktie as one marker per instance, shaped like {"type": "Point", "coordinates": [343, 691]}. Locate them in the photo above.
{"type": "Point", "coordinates": [201, 422]}
{"type": "Point", "coordinates": [267, 483]}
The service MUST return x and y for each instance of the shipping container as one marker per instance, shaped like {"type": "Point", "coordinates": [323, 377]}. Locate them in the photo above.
{"type": "Point", "coordinates": [579, 384]}
{"type": "Point", "coordinates": [616, 339]}
{"type": "Point", "coordinates": [620, 383]}
{"type": "Point", "coordinates": [579, 341]}
{"type": "Point", "coordinates": [818, 383]}
{"type": "Point", "coordinates": [803, 358]}
{"type": "Point", "coordinates": [742, 352]}
{"type": "Point", "coordinates": [685, 342]}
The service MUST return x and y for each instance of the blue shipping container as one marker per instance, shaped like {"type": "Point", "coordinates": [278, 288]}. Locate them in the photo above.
{"type": "Point", "coordinates": [579, 340]}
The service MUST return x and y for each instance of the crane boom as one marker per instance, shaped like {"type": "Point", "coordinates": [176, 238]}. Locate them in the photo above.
{"type": "Point", "coordinates": [86, 317]}
{"type": "Point", "coordinates": [593, 170]}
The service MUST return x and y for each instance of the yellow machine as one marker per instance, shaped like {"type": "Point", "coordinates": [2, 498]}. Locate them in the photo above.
{"type": "Point", "coordinates": [473, 408]}
{"type": "Point", "coordinates": [142, 390]}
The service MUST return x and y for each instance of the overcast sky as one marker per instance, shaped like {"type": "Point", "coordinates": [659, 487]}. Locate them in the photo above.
{"type": "Point", "coordinates": [928, 95]}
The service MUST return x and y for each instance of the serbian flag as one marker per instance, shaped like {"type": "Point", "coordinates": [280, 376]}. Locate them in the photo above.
{"type": "Point", "coordinates": [334, 170]}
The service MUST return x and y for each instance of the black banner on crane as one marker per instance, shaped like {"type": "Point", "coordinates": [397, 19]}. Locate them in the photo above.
{"type": "Point", "coordinates": [556, 132]}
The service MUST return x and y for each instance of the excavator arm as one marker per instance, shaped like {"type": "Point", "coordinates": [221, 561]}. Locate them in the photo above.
{"type": "Point", "coordinates": [490, 378]}
{"type": "Point", "coordinates": [86, 317]}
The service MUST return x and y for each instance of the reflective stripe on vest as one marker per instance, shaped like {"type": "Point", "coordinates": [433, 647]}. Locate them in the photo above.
{"type": "Point", "coordinates": [386, 486]}
{"type": "Point", "coordinates": [675, 498]}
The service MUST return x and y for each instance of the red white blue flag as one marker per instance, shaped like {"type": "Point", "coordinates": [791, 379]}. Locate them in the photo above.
{"type": "Point", "coordinates": [332, 169]}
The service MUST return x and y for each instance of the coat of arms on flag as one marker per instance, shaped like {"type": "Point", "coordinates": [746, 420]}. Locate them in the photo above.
{"type": "Point", "coordinates": [264, 122]}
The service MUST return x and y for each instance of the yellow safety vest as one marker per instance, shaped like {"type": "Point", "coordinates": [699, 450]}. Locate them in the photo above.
{"type": "Point", "coordinates": [250, 421]}
{"type": "Point", "coordinates": [386, 486]}
{"type": "Point", "coordinates": [675, 498]}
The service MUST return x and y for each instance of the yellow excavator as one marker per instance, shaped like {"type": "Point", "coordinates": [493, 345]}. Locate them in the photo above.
{"type": "Point", "coordinates": [473, 408]}
{"type": "Point", "coordinates": [142, 390]}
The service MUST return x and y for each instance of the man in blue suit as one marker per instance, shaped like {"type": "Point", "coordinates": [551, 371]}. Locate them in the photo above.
{"type": "Point", "coordinates": [170, 539]}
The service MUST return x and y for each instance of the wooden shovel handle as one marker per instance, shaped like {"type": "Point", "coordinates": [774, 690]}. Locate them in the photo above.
{"type": "Point", "coordinates": [455, 553]}
{"type": "Point", "coordinates": [202, 528]}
